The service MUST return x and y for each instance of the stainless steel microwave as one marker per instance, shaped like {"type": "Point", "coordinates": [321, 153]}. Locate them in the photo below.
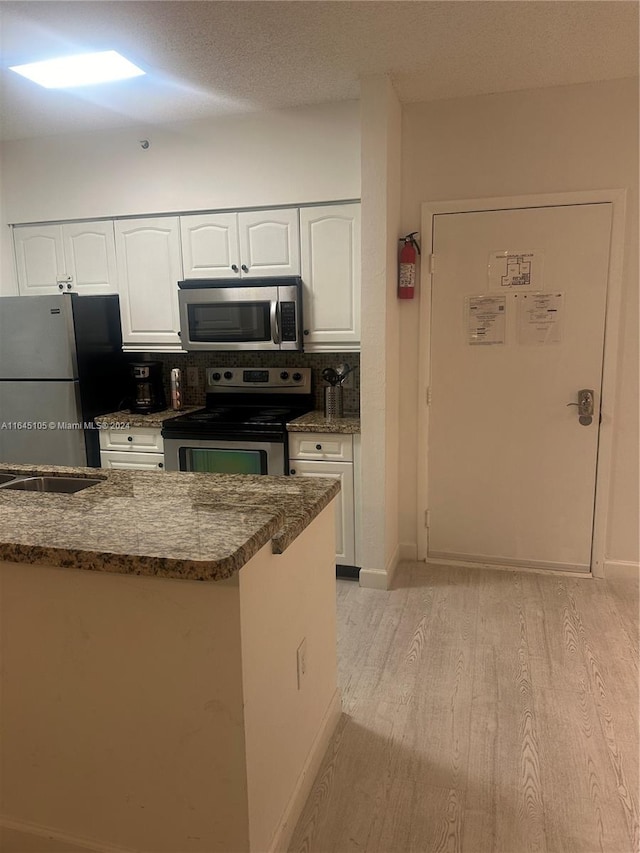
{"type": "Point", "coordinates": [227, 314]}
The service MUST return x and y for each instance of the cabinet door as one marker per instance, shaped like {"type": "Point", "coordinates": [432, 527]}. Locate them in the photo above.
{"type": "Point", "coordinates": [330, 254]}
{"type": "Point", "coordinates": [210, 245]}
{"type": "Point", "coordinates": [269, 242]}
{"type": "Point", "coordinates": [132, 461]}
{"type": "Point", "coordinates": [149, 268]}
{"type": "Point", "coordinates": [90, 256]}
{"type": "Point", "coordinates": [39, 259]}
{"type": "Point", "coordinates": [345, 527]}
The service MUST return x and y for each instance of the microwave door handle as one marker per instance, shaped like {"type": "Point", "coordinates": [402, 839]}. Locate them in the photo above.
{"type": "Point", "coordinates": [275, 322]}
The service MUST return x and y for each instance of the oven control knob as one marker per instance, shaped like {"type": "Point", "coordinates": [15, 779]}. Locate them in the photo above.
{"type": "Point", "coordinates": [215, 377]}
{"type": "Point", "coordinates": [297, 377]}
{"type": "Point", "coordinates": [228, 374]}
{"type": "Point", "coordinates": [284, 375]}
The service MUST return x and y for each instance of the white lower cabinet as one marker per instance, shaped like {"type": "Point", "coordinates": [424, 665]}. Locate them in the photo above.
{"type": "Point", "coordinates": [318, 455]}
{"type": "Point", "coordinates": [138, 448]}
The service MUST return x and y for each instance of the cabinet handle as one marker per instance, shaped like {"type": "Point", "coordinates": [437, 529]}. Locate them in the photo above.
{"type": "Point", "coordinates": [292, 471]}
{"type": "Point", "coordinates": [61, 286]}
{"type": "Point", "coordinates": [234, 267]}
{"type": "Point", "coordinates": [129, 438]}
{"type": "Point", "coordinates": [306, 331]}
{"type": "Point", "coordinates": [245, 268]}
{"type": "Point", "coordinates": [160, 465]}
{"type": "Point", "coordinates": [318, 447]}
{"type": "Point", "coordinates": [69, 286]}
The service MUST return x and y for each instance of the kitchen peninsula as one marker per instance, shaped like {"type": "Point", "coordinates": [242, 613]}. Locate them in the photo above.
{"type": "Point", "coordinates": [169, 660]}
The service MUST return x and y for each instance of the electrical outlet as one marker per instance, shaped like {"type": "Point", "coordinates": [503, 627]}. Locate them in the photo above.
{"type": "Point", "coordinates": [193, 377]}
{"type": "Point", "coordinates": [301, 659]}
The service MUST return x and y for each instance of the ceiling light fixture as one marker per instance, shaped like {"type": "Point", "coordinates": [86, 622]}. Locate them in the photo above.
{"type": "Point", "coordinates": [85, 69]}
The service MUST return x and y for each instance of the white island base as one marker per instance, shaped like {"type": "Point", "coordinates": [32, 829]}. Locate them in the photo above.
{"type": "Point", "coordinates": [164, 716]}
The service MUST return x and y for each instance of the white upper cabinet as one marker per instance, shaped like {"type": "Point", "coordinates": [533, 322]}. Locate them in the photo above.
{"type": "Point", "coordinates": [247, 245]}
{"type": "Point", "coordinates": [149, 268]}
{"type": "Point", "coordinates": [78, 257]}
{"type": "Point", "coordinates": [210, 246]}
{"type": "Point", "coordinates": [269, 242]}
{"type": "Point", "coordinates": [330, 253]}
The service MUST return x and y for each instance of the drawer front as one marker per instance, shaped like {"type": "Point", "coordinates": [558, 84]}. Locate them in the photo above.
{"type": "Point", "coordinates": [125, 460]}
{"type": "Point", "coordinates": [134, 439]}
{"type": "Point", "coordinates": [320, 445]}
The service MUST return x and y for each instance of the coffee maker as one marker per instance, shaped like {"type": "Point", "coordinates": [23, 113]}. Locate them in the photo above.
{"type": "Point", "coordinates": [148, 387]}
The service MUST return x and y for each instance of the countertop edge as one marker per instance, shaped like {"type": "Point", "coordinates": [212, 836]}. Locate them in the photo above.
{"type": "Point", "coordinates": [280, 525]}
{"type": "Point", "coordinates": [315, 421]}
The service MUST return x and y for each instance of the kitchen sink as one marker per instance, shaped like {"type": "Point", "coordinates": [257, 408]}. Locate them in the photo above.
{"type": "Point", "coordinates": [59, 485]}
{"type": "Point", "coordinates": [6, 478]}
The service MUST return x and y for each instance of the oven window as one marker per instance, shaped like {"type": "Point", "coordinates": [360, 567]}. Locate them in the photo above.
{"type": "Point", "coordinates": [212, 460]}
{"type": "Point", "coordinates": [229, 322]}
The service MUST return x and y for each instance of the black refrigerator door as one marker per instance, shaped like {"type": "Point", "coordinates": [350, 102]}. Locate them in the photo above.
{"type": "Point", "coordinates": [102, 369]}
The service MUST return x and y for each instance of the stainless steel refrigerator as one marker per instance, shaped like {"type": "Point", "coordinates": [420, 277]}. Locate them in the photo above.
{"type": "Point", "coordinates": [61, 364]}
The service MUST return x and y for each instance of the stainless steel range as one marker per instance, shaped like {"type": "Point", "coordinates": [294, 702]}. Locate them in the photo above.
{"type": "Point", "coordinates": [242, 429]}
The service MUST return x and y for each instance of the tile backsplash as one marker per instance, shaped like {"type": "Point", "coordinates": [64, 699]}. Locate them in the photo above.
{"type": "Point", "coordinates": [316, 361]}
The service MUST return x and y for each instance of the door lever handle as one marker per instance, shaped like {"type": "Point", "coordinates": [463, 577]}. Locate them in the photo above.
{"type": "Point", "coordinates": [585, 406]}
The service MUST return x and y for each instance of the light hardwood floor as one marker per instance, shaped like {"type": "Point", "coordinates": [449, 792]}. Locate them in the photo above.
{"type": "Point", "coordinates": [483, 712]}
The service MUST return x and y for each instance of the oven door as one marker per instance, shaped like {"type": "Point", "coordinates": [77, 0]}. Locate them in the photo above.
{"type": "Point", "coordinates": [211, 456]}
{"type": "Point", "coordinates": [229, 318]}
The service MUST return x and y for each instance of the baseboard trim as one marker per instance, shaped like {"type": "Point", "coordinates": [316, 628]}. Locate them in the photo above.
{"type": "Point", "coordinates": [374, 579]}
{"type": "Point", "coordinates": [307, 777]}
{"type": "Point", "coordinates": [621, 569]}
{"type": "Point", "coordinates": [380, 578]}
{"type": "Point", "coordinates": [53, 841]}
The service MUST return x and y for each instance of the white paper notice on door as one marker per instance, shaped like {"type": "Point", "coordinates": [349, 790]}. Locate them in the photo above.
{"type": "Point", "coordinates": [485, 317]}
{"type": "Point", "coordinates": [540, 318]}
{"type": "Point", "coordinates": [511, 270]}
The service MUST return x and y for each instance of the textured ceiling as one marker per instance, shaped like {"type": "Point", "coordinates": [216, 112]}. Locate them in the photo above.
{"type": "Point", "coordinates": [212, 57]}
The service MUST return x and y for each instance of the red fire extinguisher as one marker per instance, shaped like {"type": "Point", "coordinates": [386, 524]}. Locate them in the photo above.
{"type": "Point", "coordinates": [407, 271]}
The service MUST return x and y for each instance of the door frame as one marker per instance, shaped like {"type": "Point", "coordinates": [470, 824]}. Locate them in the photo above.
{"type": "Point", "coordinates": [617, 198]}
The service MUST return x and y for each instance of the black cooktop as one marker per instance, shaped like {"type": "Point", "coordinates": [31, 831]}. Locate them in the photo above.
{"type": "Point", "coordinates": [237, 420]}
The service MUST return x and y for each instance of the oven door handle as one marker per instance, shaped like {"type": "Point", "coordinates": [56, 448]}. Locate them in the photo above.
{"type": "Point", "coordinates": [275, 322]}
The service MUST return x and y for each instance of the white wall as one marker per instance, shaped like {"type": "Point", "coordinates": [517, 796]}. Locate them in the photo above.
{"type": "Point", "coordinates": [8, 284]}
{"type": "Point", "coordinates": [285, 157]}
{"type": "Point", "coordinates": [381, 151]}
{"type": "Point", "coordinates": [544, 140]}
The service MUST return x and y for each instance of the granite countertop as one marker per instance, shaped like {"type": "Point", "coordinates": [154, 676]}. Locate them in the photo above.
{"type": "Point", "coordinates": [174, 525]}
{"type": "Point", "coordinates": [154, 420]}
{"type": "Point", "coordinates": [316, 422]}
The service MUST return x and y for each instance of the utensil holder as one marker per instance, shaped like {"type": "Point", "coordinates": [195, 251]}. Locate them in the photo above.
{"type": "Point", "coordinates": [333, 407]}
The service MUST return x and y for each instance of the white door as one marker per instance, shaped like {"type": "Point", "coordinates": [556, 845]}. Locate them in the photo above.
{"type": "Point", "coordinates": [39, 259]}
{"type": "Point", "coordinates": [90, 256]}
{"type": "Point", "coordinates": [149, 268]}
{"type": "Point", "coordinates": [511, 469]}
{"type": "Point", "coordinates": [210, 245]}
{"type": "Point", "coordinates": [269, 242]}
{"type": "Point", "coordinates": [330, 255]}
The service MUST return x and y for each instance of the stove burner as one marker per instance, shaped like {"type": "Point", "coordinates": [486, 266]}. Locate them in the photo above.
{"type": "Point", "coordinates": [212, 415]}
{"type": "Point", "coordinates": [267, 416]}
{"type": "Point", "coordinates": [261, 419]}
